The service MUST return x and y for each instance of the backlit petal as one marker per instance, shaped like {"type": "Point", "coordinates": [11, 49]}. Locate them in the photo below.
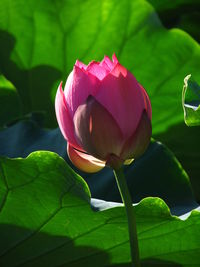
{"type": "Point", "coordinates": [97, 70]}
{"type": "Point", "coordinates": [121, 95]}
{"type": "Point", "coordinates": [114, 58]}
{"type": "Point", "coordinates": [107, 63]}
{"type": "Point", "coordinates": [83, 161]}
{"type": "Point", "coordinates": [79, 86]}
{"type": "Point", "coordinates": [80, 64]}
{"type": "Point", "coordinates": [147, 102]}
{"type": "Point", "coordinates": [64, 118]}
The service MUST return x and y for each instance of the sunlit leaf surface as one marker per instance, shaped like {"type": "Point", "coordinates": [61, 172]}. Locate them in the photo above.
{"type": "Point", "coordinates": [46, 220]}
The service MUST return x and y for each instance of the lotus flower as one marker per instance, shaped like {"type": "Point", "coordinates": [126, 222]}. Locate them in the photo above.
{"type": "Point", "coordinates": [104, 114]}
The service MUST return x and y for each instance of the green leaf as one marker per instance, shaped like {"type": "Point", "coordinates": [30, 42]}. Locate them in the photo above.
{"type": "Point", "coordinates": [171, 5]}
{"type": "Point", "coordinates": [36, 61]}
{"type": "Point", "coordinates": [190, 23]}
{"type": "Point", "coordinates": [182, 14]}
{"type": "Point", "coordinates": [151, 175]}
{"type": "Point", "coordinates": [25, 136]}
{"type": "Point", "coordinates": [191, 101]}
{"type": "Point", "coordinates": [46, 220]}
{"type": "Point", "coordinates": [8, 99]}
{"type": "Point", "coordinates": [184, 141]}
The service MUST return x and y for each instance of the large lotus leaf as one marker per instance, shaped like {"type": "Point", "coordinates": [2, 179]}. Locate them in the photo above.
{"type": "Point", "coordinates": [184, 141]}
{"type": "Point", "coordinates": [40, 43]}
{"type": "Point", "coordinates": [46, 220]}
{"type": "Point", "coordinates": [9, 98]}
{"type": "Point", "coordinates": [183, 14]}
{"type": "Point", "coordinates": [172, 5]}
{"type": "Point", "coordinates": [156, 173]}
{"type": "Point", "coordinates": [190, 23]}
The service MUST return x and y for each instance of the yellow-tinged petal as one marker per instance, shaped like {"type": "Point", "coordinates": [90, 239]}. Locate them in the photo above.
{"type": "Point", "coordinates": [83, 161]}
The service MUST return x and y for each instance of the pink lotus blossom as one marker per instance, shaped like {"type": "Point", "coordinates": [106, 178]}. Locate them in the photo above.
{"type": "Point", "coordinates": [104, 114]}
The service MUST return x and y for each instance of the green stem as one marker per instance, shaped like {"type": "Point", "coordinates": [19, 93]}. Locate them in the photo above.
{"type": "Point", "coordinates": [125, 195]}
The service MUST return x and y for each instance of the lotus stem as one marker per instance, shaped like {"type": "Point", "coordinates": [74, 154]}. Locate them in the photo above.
{"type": "Point", "coordinates": [126, 198]}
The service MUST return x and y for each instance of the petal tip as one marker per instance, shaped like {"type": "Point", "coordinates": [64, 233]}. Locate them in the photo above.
{"type": "Point", "coordinates": [58, 93]}
{"type": "Point", "coordinates": [119, 70]}
{"type": "Point", "coordinates": [60, 85]}
{"type": "Point", "coordinates": [114, 58]}
{"type": "Point", "coordinates": [80, 65]}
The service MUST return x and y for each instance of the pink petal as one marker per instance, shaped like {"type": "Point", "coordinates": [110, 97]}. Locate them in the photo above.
{"type": "Point", "coordinates": [80, 84]}
{"type": "Point", "coordinates": [97, 130]}
{"type": "Point", "coordinates": [80, 65]}
{"type": "Point", "coordinates": [64, 119]}
{"type": "Point", "coordinates": [97, 70]}
{"type": "Point", "coordinates": [105, 66]}
{"type": "Point", "coordinates": [136, 145]}
{"type": "Point", "coordinates": [119, 70]}
{"type": "Point", "coordinates": [114, 58]}
{"type": "Point", "coordinates": [83, 161]}
{"type": "Point", "coordinates": [107, 63]}
{"type": "Point", "coordinates": [121, 95]}
{"type": "Point", "coordinates": [147, 102]}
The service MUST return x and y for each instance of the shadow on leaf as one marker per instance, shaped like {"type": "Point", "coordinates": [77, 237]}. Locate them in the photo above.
{"type": "Point", "coordinates": [150, 263]}
{"type": "Point", "coordinates": [34, 85]}
{"type": "Point", "coordinates": [28, 248]}
{"type": "Point", "coordinates": [184, 141]}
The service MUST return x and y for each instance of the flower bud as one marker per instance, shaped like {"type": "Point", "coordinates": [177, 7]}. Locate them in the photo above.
{"type": "Point", "coordinates": [104, 114]}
